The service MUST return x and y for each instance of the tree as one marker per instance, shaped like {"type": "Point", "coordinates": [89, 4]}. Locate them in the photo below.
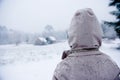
{"type": "Point", "coordinates": [48, 31]}
{"type": "Point", "coordinates": [115, 24]}
{"type": "Point", "coordinates": [49, 28]}
{"type": "Point", "coordinates": [108, 32]}
{"type": "Point", "coordinates": [3, 35]}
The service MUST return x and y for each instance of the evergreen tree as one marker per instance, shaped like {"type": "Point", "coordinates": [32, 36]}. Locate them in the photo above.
{"type": "Point", "coordinates": [115, 24]}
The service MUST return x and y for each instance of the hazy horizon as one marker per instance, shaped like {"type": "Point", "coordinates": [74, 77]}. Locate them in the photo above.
{"type": "Point", "coordinates": [33, 15]}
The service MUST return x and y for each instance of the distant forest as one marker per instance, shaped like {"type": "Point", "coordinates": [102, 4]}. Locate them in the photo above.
{"type": "Point", "coordinates": [9, 36]}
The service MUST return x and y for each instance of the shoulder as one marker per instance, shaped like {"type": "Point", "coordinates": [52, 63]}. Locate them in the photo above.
{"type": "Point", "coordinates": [62, 70]}
{"type": "Point", "coordinates": [63, 66]}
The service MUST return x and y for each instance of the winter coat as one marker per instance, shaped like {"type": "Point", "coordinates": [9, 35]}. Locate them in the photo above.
{"type": "Point", "coordinates": [84, 61]}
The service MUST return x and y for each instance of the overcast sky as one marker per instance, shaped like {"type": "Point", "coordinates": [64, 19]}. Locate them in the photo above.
{"type": "Point", "coordinates": [34, 15]}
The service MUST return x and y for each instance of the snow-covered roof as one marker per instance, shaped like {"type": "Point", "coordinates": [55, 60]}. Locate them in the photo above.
{"type": "Point", "coordinates": [52, 38]}
{"type": "Point", "coordinates": [42, 39]}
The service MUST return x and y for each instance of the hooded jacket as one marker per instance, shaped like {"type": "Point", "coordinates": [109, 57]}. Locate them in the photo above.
{"type": "Point", "coordinates": [84, 61]}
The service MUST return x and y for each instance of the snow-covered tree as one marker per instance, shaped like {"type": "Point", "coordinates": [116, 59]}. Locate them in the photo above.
{"type": "Point", "coordinates": [3, 35]}
{"type": "Point", "coordinates": [48, 31]}
{"type": "Point", "coordinates": [108, 32]}
{"type": "Point", "coordinates": [115, 24]}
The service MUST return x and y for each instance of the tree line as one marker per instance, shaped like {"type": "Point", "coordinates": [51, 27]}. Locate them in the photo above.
{"type": "Point", "coordinates": [10, 36]}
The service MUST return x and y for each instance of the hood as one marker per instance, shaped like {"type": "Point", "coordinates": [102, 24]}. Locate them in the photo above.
{"type": "Point", "coordinates": [85, 30]}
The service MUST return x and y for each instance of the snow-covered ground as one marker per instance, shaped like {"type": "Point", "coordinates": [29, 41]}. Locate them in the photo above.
{"type": "Point", "coordinates": [29, 62]}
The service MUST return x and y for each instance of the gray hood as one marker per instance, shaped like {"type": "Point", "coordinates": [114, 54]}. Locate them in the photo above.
{"type": "Point", "coordinates": [85, 30]}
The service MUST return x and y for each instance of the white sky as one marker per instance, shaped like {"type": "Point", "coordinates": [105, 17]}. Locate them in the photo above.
{"type": "Point", "coordinates": [34, 15]}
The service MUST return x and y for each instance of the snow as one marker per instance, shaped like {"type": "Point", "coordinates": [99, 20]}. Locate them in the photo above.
{"type": "Point", "coordinates": [42, 39]}
{"type": "Point", "coordinates": [29, 62]}
{"type": "Point", "coordinates": [52, 38]}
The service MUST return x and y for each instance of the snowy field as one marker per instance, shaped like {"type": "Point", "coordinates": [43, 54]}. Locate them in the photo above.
{"type": "Point", "coordinates": [29, 62]}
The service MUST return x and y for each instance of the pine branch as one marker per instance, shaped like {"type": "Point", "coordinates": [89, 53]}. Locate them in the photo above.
{"type": "Point", "coordinates": [118, 6]}
{"type": "Point", "coordinates": [114, 2]}
{"type": "Point", "coordinates": [111, 24]}
{"type": "Point", "coordinates": [116, 13]}
{"type": "Point", "coordinates": [118, 17]}
{"type": "Point", "coordinates": [118, 23]}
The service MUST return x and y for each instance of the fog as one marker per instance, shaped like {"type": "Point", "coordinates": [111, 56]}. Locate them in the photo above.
{"type": "Point", "coordinates": [34, 15]}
